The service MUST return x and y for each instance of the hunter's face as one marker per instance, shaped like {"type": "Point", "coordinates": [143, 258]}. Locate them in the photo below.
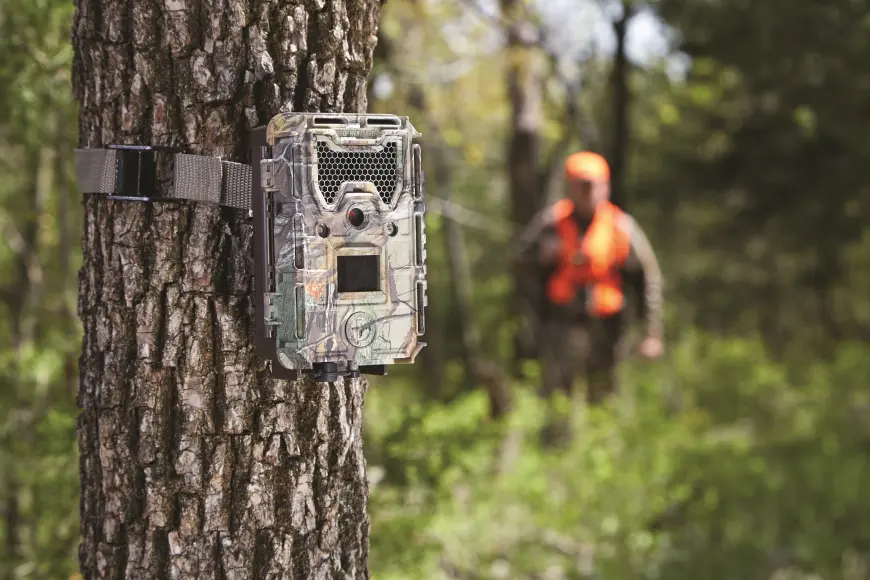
{"type": "Point", "coordinates": [585, 195]}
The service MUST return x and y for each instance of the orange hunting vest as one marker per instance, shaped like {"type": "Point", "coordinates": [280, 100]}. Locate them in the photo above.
{"type": "Point", "coordinates": [604, 248]}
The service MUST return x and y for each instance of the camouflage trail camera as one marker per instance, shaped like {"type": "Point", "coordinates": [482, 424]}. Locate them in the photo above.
{"type": "Point", "coordinates": [340, 245]}
{"type": "Point", "coordinates": [342, 259]}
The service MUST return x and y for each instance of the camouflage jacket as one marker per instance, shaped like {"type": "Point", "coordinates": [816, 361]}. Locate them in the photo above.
{"type": "Point", "coordinates": [641, 273]}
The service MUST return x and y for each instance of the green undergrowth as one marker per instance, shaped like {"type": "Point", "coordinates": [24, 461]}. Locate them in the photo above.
{"type": "Point", "coordinates": [713, 463]}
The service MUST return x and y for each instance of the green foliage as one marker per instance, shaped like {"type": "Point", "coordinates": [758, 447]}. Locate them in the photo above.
{"type": "Point", "coordinates": [752, 472]}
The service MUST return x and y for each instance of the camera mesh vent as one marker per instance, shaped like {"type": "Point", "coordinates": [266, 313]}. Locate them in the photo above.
{"type": "Point", "coordinates": [337, 167]}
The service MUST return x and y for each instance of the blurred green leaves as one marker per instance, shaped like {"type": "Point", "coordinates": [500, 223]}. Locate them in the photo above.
{"type": "Point", "coordinates": [713, 490]}
{"type": "Point", "coordinates": [40, 338]}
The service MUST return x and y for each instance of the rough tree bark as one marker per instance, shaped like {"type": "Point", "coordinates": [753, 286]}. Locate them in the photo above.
{"type": "Point", "coordinates": [194, 463]}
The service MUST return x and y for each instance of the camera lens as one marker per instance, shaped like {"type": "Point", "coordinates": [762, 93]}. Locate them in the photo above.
{"type": "Point", "coordinates": [323, 230]}
{"type": "Point", "coordinates": [356, 217]}
{"type": "Point", "coordinates": [392, 229]}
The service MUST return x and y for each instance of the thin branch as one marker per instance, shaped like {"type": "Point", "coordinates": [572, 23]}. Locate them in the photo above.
{"type": "Point", "coordinates": [466, 217]}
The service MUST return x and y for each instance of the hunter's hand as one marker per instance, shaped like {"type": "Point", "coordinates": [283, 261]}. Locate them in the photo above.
{"type": "Point", "coordinates": [651, 348]}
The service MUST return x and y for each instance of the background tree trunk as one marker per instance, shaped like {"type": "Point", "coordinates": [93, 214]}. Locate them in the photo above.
{"type": "Point", "coordinates": [621, 100]}
{"type": "Point", "coordinates": [527, 195]}
{"type": "Point", "coordinates": [194, 463]}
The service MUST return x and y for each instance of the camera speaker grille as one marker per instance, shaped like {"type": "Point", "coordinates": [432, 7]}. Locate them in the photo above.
{"type": "Point", "coordinates": [337, 167]}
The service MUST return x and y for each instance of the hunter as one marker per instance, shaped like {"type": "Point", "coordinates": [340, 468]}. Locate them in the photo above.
{"type": "Point", "coordinates": [590, 250]}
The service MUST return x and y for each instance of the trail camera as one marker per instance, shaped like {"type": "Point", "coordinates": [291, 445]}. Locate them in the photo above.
{"type": "Point", "coordinates": [341, 262]}
{"type": "Point", "coordinates": [339, 239]}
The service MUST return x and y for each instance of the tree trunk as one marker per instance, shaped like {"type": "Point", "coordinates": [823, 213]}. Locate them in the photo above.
{"type": "Point", "coordinates": [18, 295]}
{"type": "Point", "coordinates": [457, 262]}
{"type": "Point", "coordinates": [11, 524]}
{"type": "Point", "coordinates": [527, 195]}
{"type": "Point", "coordinates": [621, 99]}
{"type": "Point", "coordinates": [194, 463]}
{"type": "Point", "coordinates": [478, 370]}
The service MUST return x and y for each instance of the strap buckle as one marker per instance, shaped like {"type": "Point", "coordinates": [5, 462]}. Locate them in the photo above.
{"type": "Point", "coordinates": [136, 172]}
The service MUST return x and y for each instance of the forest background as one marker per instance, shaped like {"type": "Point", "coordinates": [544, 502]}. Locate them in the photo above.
{"type": "Point", "coordinates": [737, 131]}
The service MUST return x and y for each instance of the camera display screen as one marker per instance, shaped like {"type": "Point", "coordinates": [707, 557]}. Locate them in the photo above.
{"type": "Point", "coordinates": [358, 273]}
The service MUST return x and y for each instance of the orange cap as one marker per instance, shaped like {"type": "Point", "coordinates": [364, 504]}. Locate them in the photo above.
{"type": "Point", "coordinates": [587, 165]}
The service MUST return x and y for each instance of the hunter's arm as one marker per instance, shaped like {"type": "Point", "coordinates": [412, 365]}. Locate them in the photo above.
{"type": "Point", "coordinates": [643, 268]}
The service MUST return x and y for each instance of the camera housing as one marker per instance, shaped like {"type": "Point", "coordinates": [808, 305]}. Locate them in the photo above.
{"type": "Point", "coordinates": [340, 243]}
